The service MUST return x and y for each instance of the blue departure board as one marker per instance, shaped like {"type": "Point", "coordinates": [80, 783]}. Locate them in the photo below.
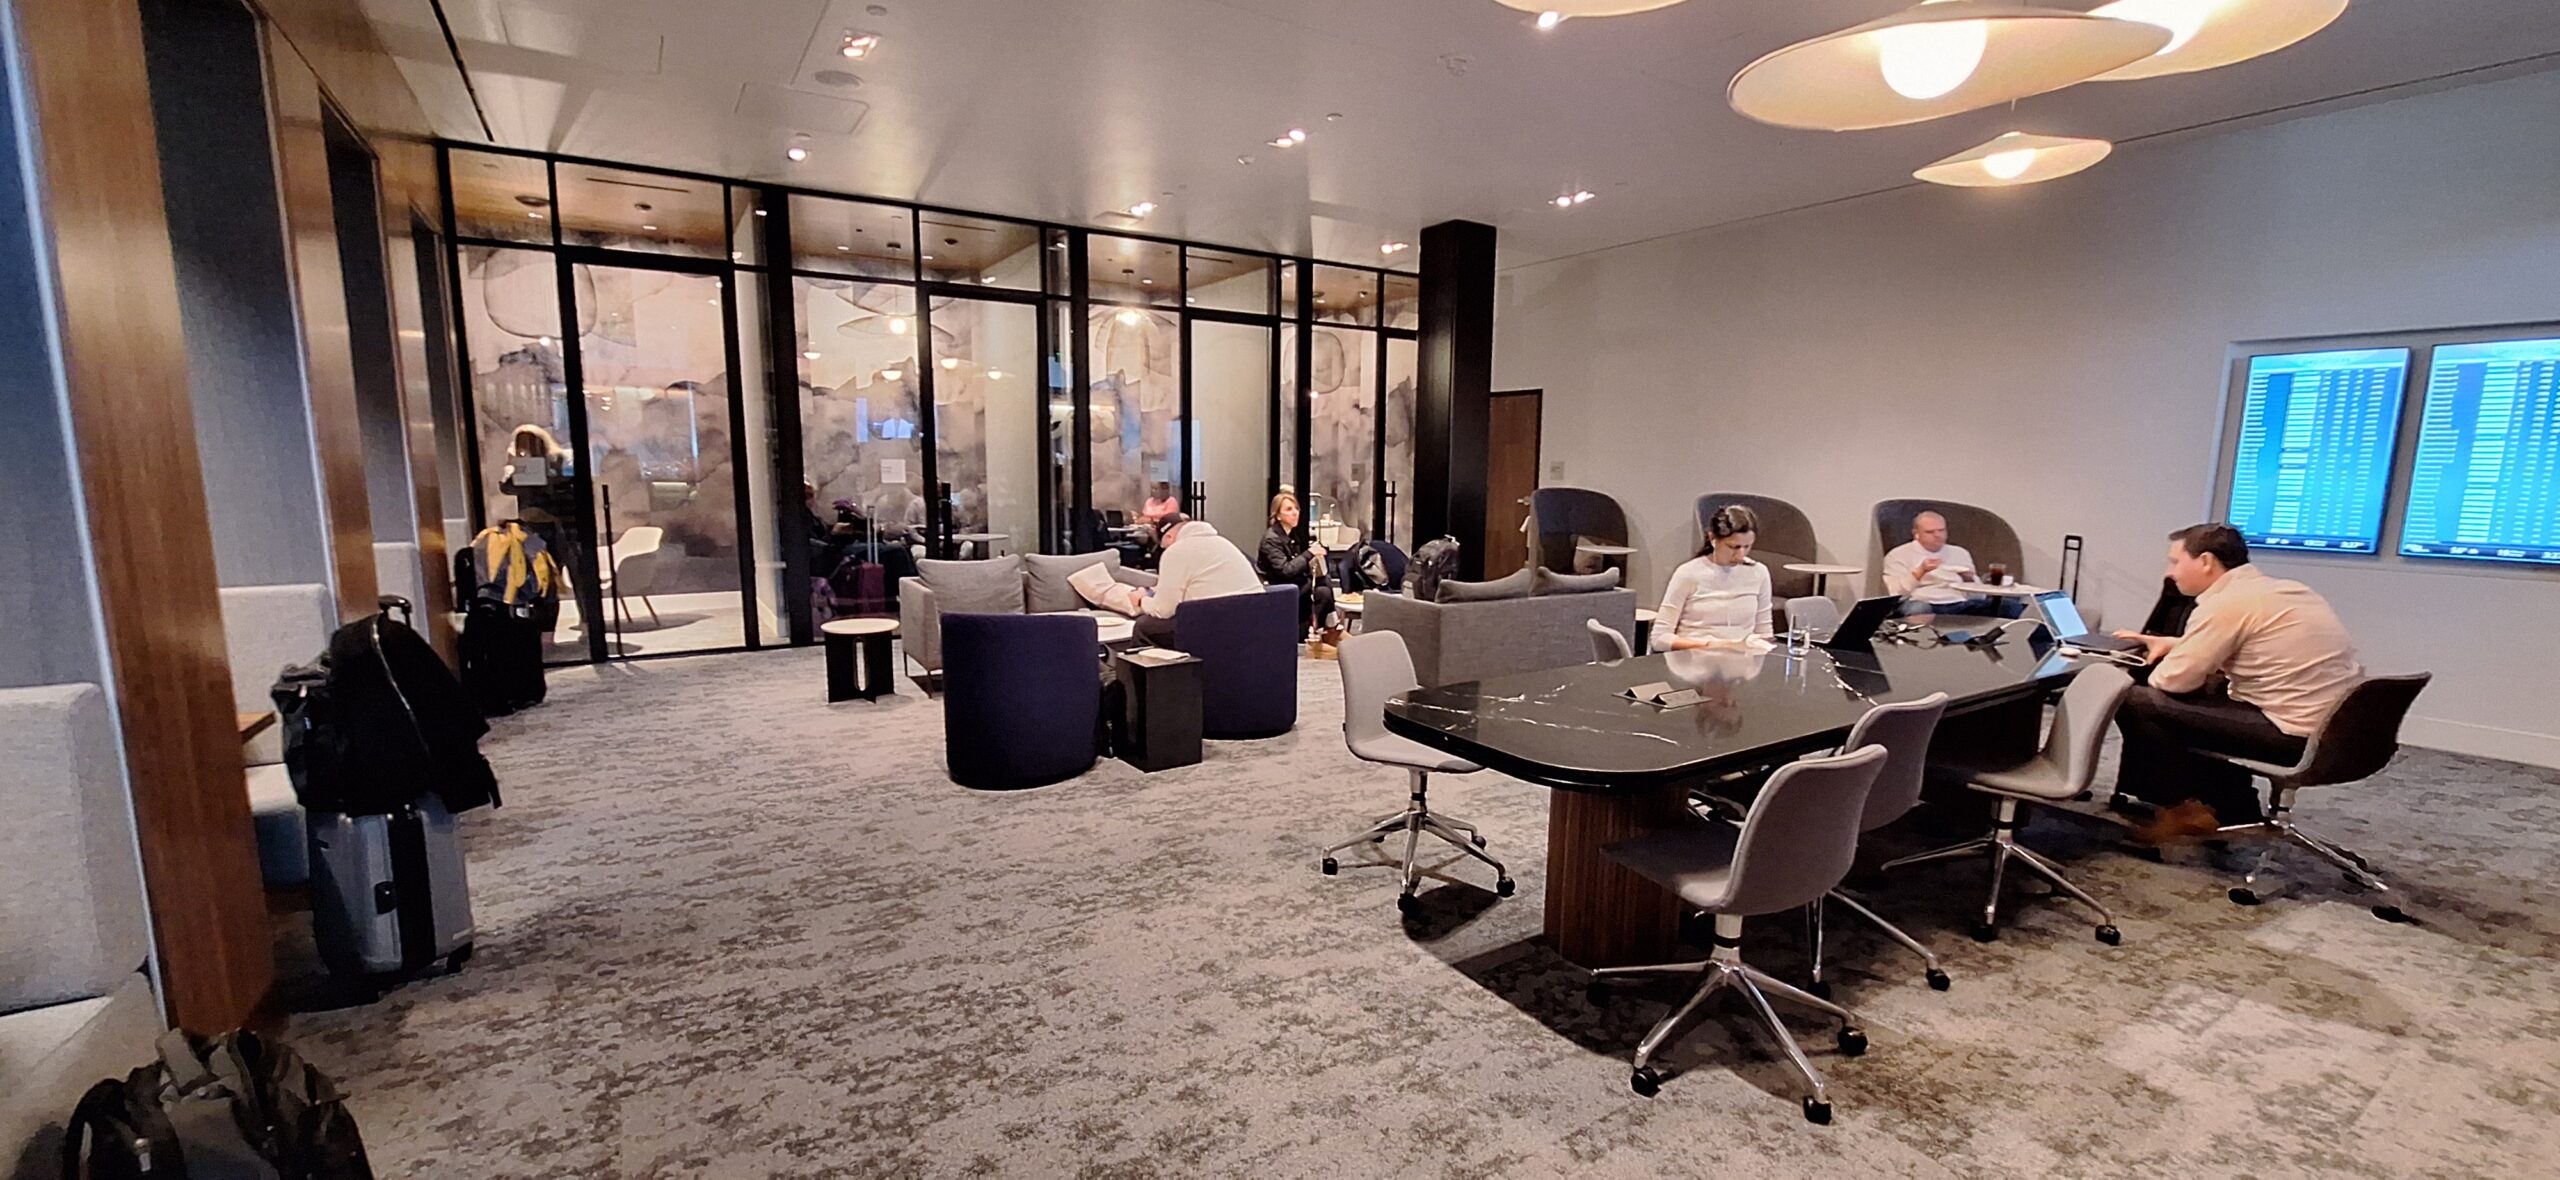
{"type": "Point", "coordinates": [2486, 484]}
{"type": "Point", "coordinates": [2314, 461]}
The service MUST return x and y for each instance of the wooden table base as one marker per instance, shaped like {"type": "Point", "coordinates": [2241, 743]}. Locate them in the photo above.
{"type": "Point", "coordinates": [1598, 913]}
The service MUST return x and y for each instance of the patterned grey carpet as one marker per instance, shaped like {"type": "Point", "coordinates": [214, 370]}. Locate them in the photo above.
{"type": "Point", "coordinates": [729, 930]}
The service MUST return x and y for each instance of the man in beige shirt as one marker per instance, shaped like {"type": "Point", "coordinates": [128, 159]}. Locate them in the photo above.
{"type": "Point", "coordinates": [2261, 664]}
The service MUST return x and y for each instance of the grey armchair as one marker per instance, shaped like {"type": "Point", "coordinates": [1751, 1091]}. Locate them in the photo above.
{"type": "Point", "coordinates": [1562, 514]}
{"type": "Point", "coordinates": [1786, 537]}
{"type": "Point", "coordinates": [2353, 744]}
{"type": "Point", "coordinates": [1981, 531]}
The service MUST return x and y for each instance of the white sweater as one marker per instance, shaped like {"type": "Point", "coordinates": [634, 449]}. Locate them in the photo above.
{"type": "Point", "coordinates": [1710, 601]}
{"type": "Point", "coordinates": [1902, 572]}
{"type": "Point", "coordinates": [1199, 564]}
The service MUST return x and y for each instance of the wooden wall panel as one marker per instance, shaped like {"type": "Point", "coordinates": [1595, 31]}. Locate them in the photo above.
{"type": "Point", "coordinates": [311, 235]}
{"type": "Point", "coordinates": [340, 45]}
{"type": "Point", "coordinates": [125, 361]}
{"type": "Point", "coordinates": [403, 161]}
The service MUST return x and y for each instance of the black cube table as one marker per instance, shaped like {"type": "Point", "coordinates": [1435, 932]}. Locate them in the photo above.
{"type": "Point", "coordinates": [1160, 728]}
{"type": "Point", "coordinates": [876, 676]}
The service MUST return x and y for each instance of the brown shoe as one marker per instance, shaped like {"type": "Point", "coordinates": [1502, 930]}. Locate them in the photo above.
{"type": "Point", "coordinates": [2191, 820]}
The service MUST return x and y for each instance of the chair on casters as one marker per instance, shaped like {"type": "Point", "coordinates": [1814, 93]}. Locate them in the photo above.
{"type": "Point", "coordinates": [1814, 613]}
{"type": "Point", "coordinates": [2352, 745]}
{"type": "Point", "coordinates": [1903, 732]}
{"type": "Point", "coordinates": [1607, 646]}
{"type": "Point", "coordinates": [1794, 847]}
{"type": "Point", "coordinates": [2059, 772]}
{"type": "Point", "coordinates": [1375, 666]}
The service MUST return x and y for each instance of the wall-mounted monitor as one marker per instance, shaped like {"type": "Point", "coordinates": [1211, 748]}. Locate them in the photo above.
{"type": "Point", "coordinates": [2486, 482]}
{"type": "Point", "coordinates": [2313, 465]}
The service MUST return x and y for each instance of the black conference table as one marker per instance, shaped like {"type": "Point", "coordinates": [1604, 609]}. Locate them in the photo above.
{"type": "Point", "coordinates": [1622, 768]}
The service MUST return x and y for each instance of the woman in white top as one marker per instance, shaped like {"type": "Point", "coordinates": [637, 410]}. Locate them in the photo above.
{"type": "Point", "coordinates": [1720, 598]}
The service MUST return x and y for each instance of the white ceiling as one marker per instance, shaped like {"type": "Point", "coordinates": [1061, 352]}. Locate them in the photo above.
{"type": "Point", "coordinates": [1065, 110]}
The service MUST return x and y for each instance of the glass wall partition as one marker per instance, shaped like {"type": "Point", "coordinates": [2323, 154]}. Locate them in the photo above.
{"type": "Point", "coordinates": [754, 366]}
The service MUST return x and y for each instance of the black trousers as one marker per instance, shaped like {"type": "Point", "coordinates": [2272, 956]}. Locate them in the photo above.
{"type": "Point", "coordinates": [2163, 732]}
{"type": "Point", "coordinates": [1153, 631]}
{"type": "Point", "coordinates": [1315, 605]}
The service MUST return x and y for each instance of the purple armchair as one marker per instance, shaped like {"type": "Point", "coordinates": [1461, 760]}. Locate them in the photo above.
{"type": "Point", "coordinates": [1021, 697]}
{"type": "Point", "coordinates": [1248, 649]}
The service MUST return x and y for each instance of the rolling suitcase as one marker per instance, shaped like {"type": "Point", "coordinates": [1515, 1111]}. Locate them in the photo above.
{"type": "Point", "coordinates": [390, 896]}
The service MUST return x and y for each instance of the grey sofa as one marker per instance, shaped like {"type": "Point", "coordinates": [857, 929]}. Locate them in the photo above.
{"type": "Point", "coordinates": [1014, 585]}
{"type": "Point", "coordinates": [75, 1005]}
{"type": "Point", "coordinates": [1455, 641]}
{"type": "Point", "coordinates": [264, 629]}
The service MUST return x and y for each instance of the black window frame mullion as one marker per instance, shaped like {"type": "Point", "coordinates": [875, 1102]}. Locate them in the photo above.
{"type": "Point", "coordinates": [937, 498]}
{"type": "Point", "coordinates": [587, 528]}
{"type": "Point", "coordinates": [782, 391]}
{"type": "Point", "coordinates": [1080, 531]}
{"type": "Point", "coordinates": [741, 495]}
{"type": "Point", "coordinates": [469, 419]}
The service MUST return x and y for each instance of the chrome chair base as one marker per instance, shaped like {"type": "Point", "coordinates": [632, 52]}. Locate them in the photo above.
{"type": "Point", "coordinates": [2002, 847]}
{"type": "Point", "coordinates": [1722, 970]}
{"type": "Point", "coordinates": [2278, 831]}
{"type": "Point", "coordinates": [1931, 970]}
{"type": "Point", "coordinates": [1415, 821]}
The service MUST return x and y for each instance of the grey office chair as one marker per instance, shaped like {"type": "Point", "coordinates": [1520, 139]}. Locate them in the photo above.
{"type": "Point", "coordinates": [2353, 744]}
{"type": "Point", "coordinates": [1903, 732]}
{"type": "Point", "coordinates": [1607, 646]}
{"type": "Point", "coordinates": [1816, 613]}
{"type": "Point", "coordinates": [1376, 666]}
{"type": "Point", "coordinates": [2058, 772]}
{"type": "Point", "coordinates": [1794, 847]}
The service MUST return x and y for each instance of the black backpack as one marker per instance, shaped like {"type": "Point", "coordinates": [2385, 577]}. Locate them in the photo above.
{"type": "Point", "coordinates": [233, 1107]}
{"type": "Point", "coordinates": [1434, 561]}
{"type": "Point", "coordinates": [379, 722]}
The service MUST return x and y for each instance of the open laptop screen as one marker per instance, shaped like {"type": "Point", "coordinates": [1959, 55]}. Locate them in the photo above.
{"type": "Point", "coordinates": [2058, 611]}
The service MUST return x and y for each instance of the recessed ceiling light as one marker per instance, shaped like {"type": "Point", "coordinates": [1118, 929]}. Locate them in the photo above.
{"type": "Point", "coordinates": [1394, 247]}
{"type": "Point", "coordinates": [795, 153]}
{"type": "Point", "coordinates": [759, 212]}
{"type": "Point", "coordinates": [845, 78]}
{"type": "Point", "coordinates": [533, 217]}
{"type": "Point", "coordinates": [1576, 197]}
{"type": "Point", "coordinates": [1146, 282]}
{"type": "Point", "coordinates": [983, 280]}
{"type": "Point", "coordinates": [1333, 117]}
{"type": "Point", "coordinates": [995, 374]}
{"type": "Point", "coordinates": [841, 249]}
{"type": "Point", "coordinates": [1549, 19]}
{"type": "Point", "coordinates": [1244, 159]}
{"type": "Point", "coordinates": [1142, 208]}
{"type": "Point", "coordinates": [951, 362]}
{"type": "Point", "coordinates": [892, 374]}
{"type": "Point", "coordinates": [928, 257]}
{"type": "Point", "coordinates": [859, 45]}
{"type": "Point", "coordinates": [649, 228]}
{"type": "Point", "coordinates": [1283, 142]}
{"type": "Point", "coordinates": [898, 325]}
{"type": "Point", "coordinates": [812, 355]}
{"type": "Point", "coordinates": [1297, 135]}
{"type": "Point", "coordinates": [1129, 318]}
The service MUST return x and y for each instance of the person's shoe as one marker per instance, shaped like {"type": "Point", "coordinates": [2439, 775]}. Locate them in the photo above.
{"type": "Point", "coordinates": [2186, 821]}
{"type": "Point", "coordinates": [1318, 649]}
{"type": "Point", "coordinates": [1332, 637]}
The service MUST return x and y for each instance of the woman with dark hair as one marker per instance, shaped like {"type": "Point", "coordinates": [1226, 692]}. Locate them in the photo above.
{"type": "Point", "coordinates": [1286, 561]}
{"type": "Point", "coordinates": [1720, 598]}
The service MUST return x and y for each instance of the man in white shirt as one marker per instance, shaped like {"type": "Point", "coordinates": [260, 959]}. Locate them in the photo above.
{"type": "Point", "coordinates": [1196, 563]}
{"type": "Point", "coordinates": [2262, 663]}
{"type": "Point", "coordinates": [1925, 570]}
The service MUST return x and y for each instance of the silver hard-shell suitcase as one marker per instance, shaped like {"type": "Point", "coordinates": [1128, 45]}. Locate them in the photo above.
{"type": "Point", "coordinates": [389, 893]}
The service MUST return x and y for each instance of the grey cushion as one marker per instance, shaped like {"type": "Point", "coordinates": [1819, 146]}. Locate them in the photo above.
{"type": "Point", "coordinates": [1049, 590]}
{"type": "Point", "coordinates": [1513, 585]}
{"type": "Point", "coordinates": [1547, 581]}
{"type": "Point", "coordinates": [990, 587]}
{"type": "Point", "coordinates": [265, 628]}
{"type": "Point", "coordinates": [71, 911]}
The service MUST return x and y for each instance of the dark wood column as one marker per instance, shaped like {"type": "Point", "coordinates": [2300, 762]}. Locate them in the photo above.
{"type": "Point", "coordinates": [1453, 401]}
{"type": "Point", "coordinates": [124, 362]}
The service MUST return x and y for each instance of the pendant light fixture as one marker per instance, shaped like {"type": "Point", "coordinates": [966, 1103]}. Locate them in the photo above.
{"type": "Point", "coordinates": [2016, 158]}
{"type": "Point", "coordinates": [2205, 34]}
{"type": "Point", "coordinates": [1575, 9]}
{"type": "Point", "coordinates": [1938, 58]}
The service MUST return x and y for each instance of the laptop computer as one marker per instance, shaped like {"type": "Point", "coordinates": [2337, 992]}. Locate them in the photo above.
{"type": "Point", "coordinates": [1858, 631]}
{"type": "Point", "coordinates": [2056, 608]}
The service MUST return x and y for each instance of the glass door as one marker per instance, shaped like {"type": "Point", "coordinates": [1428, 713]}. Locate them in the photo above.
{"type": "Point", "coordinates": [654, 374]}
{"type": "Point", "coordinates": [987, 417]}
{"type": "Point", "coordinates": [1231, 426]}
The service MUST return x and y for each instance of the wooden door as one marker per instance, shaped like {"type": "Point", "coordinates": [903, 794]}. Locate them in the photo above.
{"type": "Point", "coordinates": [1511, 473]}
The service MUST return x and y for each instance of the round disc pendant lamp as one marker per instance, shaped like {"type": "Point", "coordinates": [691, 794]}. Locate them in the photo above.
{"type": "Point", "coordinates": [2016, 158]}
{"type": "Point", "coordinates": [2205, 34]}
{"type": "Point", "coordinates": [1582, 8]}
{"type": "Point", "coordinates": [1939, 58]}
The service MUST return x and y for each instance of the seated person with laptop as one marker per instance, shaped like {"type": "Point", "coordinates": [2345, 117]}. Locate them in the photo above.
{"type": "Point", "coordinates": [2262, 663]}
{"type": "Point", "coordinates": [1196, 563]}
{"type": "Point", "coordinates": [1720, 598]}
{"type": "Point", "coordinates": [1926, 571]}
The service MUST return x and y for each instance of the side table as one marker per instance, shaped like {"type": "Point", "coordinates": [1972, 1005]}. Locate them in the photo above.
{"type": "Point", "coordinates": [876, 676]}
{"type": "Point", "coordinates": [1160, 727]}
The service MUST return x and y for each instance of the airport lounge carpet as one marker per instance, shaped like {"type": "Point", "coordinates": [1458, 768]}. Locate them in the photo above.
{"type": "Point", "coordinates": [729, 930]}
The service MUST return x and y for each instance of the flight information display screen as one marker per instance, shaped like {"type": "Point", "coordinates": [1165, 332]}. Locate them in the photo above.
{"type": "Point", "coordinates": [2486, 483]}
{"type": "Point", "coordinates": [2314, 462]}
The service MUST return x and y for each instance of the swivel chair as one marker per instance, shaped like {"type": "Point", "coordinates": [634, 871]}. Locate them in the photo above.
{"type": "Point", "coordinates": [1376, 666]}
{"type": "Point", "coordinates": [1607, 645]}
{"type": "Point", "coordinates": [2059, 772]}
{"type": "Point", "coordinates": [1903, 732]}
{"type": "Point", "coordinates": [2354, 743]}
{"type": "Point", "coordinates": [1814, 612]}
{"type": "Point", "coordinates": [1793, 847]}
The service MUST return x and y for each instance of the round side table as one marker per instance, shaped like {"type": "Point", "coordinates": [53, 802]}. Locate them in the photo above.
{"type": "Point", "coordinates": [868, 675]}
